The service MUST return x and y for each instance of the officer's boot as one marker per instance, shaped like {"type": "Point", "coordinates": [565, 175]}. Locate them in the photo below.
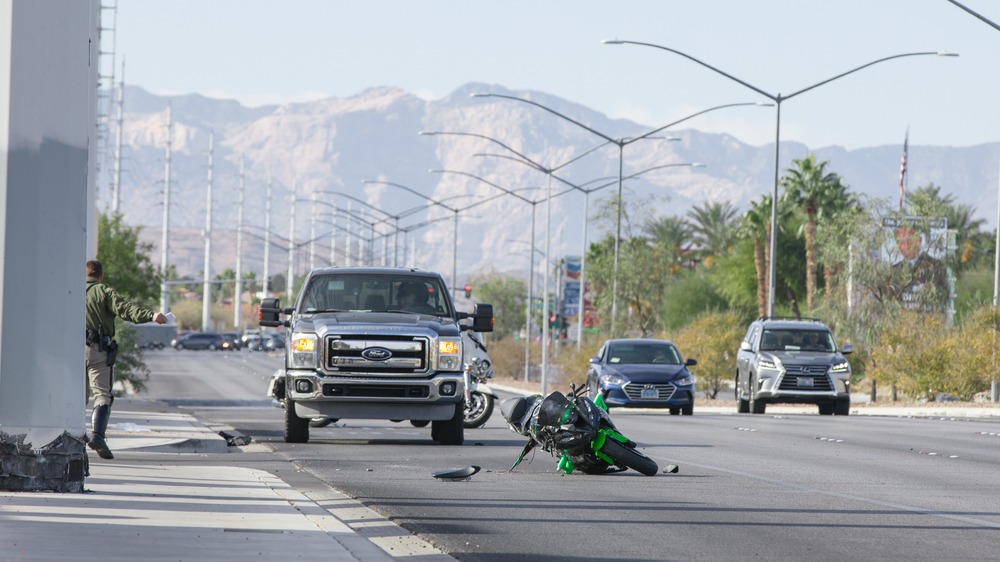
{"type": "Point", "coordinates": [100, 425]}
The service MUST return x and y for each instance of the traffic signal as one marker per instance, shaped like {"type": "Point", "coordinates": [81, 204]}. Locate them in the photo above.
{"type": "Point", "coordinates": [269, 284]}
{"type": "Point", "coordinates": [468, 291]}
{"type": "Point", "coordinates": [553, 321]}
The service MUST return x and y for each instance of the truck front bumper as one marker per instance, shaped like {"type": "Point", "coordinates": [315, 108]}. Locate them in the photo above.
{"type": "Point", "coordinates": [367, 398]}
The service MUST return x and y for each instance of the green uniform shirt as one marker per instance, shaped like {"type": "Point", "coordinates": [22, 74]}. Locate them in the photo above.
{"type": "Point", "coordinates": [104, 303]}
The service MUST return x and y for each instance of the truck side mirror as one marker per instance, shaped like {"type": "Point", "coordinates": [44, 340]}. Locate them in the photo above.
{"type": "Point", "coordinates": [270, 313]}
{"type": "Point", "coordinates": [482, 318]}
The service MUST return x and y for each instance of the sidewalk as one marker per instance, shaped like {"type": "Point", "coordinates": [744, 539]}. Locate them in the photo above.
{"type": "Point", "coordinates": [181, 507]}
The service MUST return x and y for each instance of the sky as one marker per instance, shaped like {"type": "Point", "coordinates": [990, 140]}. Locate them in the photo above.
{"type": "Point", "coordinates": [263, 52]}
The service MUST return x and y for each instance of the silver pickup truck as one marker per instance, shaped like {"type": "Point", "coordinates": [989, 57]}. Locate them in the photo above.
{"type": "Point", "coordinates": [374, 343]}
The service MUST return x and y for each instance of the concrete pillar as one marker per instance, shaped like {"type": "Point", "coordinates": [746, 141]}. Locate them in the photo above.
{"type": "Point", "coordinates": [48, 77]}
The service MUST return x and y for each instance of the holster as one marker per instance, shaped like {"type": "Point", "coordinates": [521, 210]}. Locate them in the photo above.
{"type": "Point", "coordinates": [112, 349]}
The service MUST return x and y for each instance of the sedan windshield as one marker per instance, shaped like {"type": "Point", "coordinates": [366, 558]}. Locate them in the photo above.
{"type": "Point", "coordinates": [338, 292]}
{"type": "Point", "coordinates": [643, 353]}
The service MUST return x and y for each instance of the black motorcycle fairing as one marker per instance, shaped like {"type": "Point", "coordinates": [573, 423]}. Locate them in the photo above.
{"type": "Point", "coordinates": [589, 411]}
{"type": "Point", "coordinates": [573, 439]}
{"type": "Point", "coordinates": [518, 412]}
{"type": "Point", "coordinates": [554, 408]}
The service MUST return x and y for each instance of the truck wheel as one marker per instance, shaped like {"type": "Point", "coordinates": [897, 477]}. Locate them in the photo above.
{"type": "Point", "coordinates": [757, 406]}
{"type": "Point", "coordinates": [450, 432]}
{"type": "Point", "coordinates": [419, 423]}
{"type": "Point", "coordinates": [296, 428]}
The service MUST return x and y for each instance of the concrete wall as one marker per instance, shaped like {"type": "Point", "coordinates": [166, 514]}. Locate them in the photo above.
{"type": "Point", "coordinates": [48, 74]}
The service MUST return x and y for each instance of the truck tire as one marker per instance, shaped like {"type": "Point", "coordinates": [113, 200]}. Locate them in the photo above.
{"type": "Point", "coordinates": [450, 432]}
{"type": "Point", "coordinates": [296, 428]}
{"type": "Point", "coordinates": [629, 457]}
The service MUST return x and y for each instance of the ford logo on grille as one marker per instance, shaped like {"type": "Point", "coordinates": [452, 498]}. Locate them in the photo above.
{"type": "Point", "coordinates": [376, 354]}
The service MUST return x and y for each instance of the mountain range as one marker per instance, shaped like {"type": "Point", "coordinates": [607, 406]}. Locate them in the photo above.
{"type": "Point", "coordinates": [331, 146]}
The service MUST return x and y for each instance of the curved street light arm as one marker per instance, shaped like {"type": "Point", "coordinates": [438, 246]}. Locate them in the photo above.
{"type": "Point", "coordinates": [411, 190]}
{"type": "Point", "coordinates": [358, 215]}
{"type": "Point", "coordinates": [853, 70]}
{"type": "Point", "coordinates": [353, 198]}
{"type": "Point", "coordinates": [693, 115]}
{"type": "Point", "coordinates": [988, 22]}
{"type": "Point", "coordinates": [484, 137]}
{"type": "Point", "coordinates": [692, 59]}
{"type": "Point", "coordinates": [487, 182]}
{"type": "Point", "coordinates": [552, 111]}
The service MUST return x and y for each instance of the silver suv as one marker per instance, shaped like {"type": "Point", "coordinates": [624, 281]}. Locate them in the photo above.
{"type": "Point", "coordinates": [792, 361]}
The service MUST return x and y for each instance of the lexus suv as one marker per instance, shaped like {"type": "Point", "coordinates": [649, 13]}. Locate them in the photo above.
{"type": "Point", "coordinates": [792, 361]}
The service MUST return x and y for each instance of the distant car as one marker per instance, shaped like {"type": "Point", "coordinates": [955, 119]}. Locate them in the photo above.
{"type": "Point", "coordinates": [247, 334]}
{"type": "Point", "coordinates": [254, 342]}
{"type": "Point", "coordinates": [201, 340]}
{"type": "Point", "coordinates": [642, 373]}
{"type": "Point", "coordinates": [231, 341]}
{"type": "Point", "coordinates": [274, 341]}
{"type": "Point", "coordinates": [178, 341]}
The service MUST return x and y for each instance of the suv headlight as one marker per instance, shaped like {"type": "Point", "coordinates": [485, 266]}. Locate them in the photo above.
{"type": "Point", "coordinates": [450, 354]}
{"type": "Point", "coordinates": [843, 367]}
{"type": "Point", "coordinates": [613, 379]}
{"type": "Point", "coordinates": [766, 364]}
{"type": "Point", "coordinates": [304, 352]}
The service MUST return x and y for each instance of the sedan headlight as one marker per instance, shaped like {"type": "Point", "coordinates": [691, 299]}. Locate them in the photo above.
{"type": "Point", "coordinates": [686, 381]}
{"type": "Point", "coordinates": [765, 364]}
{"type": "Point", "coordinates": [304, 353]}
{"type": "Point", "coordinates": [450, 354]}
{"type": "Point", "coordinates": [843, 367]}
{"type": "Point", "coordinates": [613, 379]}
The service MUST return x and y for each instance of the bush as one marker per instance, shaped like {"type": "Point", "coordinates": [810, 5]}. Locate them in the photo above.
{"type": "Point", "coordinates": [713, 340]}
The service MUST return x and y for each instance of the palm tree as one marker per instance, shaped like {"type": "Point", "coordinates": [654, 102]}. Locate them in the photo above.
{"type": "Point", "coordinates": [714, 228]}
{"type": "Point", "coordinates": [670, 237]}
{"type": "Point", "coordinates": [817, 193]}
{"type": "Point", "coordinates": [751, 226]}
{"type": "Point", "coordinates": [927, 201]}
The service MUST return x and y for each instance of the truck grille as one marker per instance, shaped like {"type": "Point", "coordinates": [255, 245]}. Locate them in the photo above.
{"type": "Point", "coordinates": [806, 377]}
{"type": "Point", "coordinates": [381, 355]}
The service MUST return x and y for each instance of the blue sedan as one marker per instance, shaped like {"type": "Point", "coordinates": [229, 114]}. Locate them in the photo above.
{"type": "Point", "coordinates": [639, 373]}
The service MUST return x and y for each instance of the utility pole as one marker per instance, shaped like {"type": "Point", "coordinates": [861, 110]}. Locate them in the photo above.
{"type": "Point", "coordinates": [291, 248]}
{"type": "Point", "coordinates": [206, 288]}
{"type": "Point", "coordinates": [267, 238]}
{"type": "Point", "coordinates": [238, 290]}
{"type": "Point", "coordinates": [312, 232]}
{"type": "Point", "coordinates": [119, 131]}
{"type": "Point", "coordinates": [164, 241]}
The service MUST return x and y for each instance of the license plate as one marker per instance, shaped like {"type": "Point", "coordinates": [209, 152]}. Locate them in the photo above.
{"type": "Point", "coordinates": [805, 381]}
{"type": "Point", "coordinates": [649, 394]}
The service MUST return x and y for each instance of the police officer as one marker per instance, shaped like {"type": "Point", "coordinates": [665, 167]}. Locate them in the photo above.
{"type": "Point", "coordinates": [103, 305]}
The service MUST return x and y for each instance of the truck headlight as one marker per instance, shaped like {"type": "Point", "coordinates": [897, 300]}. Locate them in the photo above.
{"type": "Point", "coordinates": [450, 354]}
{"type": "Point", "coordinates": [303, 352]}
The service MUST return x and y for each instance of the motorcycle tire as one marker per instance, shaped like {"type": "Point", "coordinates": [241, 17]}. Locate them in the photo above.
{"type": "Point", "coordinates": [629, 457]}
{"type": "Point", "coordinates": [478, 410]}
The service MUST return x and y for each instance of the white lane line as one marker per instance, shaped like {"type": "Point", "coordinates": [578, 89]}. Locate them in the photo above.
{"type": "Point", "coordinates": [804, 488]}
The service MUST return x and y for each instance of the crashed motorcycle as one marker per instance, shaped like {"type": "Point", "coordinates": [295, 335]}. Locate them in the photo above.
{"type": "Point", "coordinates": [577, 429]}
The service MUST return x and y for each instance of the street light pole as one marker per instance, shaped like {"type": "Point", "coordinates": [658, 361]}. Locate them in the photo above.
{"type": "Point", "coordinates": [621, 143]}
{"type": "Point", "coordinates": [777, 99]}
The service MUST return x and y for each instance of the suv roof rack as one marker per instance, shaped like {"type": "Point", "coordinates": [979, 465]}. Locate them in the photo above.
{"type": "Point", "coordinates": [792, 318]}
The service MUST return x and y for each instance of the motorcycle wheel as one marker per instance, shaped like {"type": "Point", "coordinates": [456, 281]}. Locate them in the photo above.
{"type": "Point", "coordinates": [478, 410]}
{"type": "Point", "coordinates": [629, 457]}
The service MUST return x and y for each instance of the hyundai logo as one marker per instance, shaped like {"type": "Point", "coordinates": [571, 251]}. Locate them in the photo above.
{"type": "Point", "coordinates": [376, 354]}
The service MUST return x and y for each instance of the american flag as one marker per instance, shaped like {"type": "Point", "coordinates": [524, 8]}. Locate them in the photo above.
{"type": "Point", "coordinates": [902, 168]}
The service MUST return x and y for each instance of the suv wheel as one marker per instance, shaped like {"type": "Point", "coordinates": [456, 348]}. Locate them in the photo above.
{"type": "Point", "coordinates": [742, 405]}
{"type": "Point", "coordinates": [757, 406]}
{"type": "Point", "coordinates": [842, 407]}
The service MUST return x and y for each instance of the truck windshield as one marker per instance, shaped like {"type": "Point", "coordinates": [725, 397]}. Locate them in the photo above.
{"type": "Point", "coordinates": [375, 293]}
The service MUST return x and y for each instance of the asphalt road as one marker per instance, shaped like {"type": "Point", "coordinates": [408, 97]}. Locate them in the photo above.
{"type": "Point", "coordinates": [773, 487]}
